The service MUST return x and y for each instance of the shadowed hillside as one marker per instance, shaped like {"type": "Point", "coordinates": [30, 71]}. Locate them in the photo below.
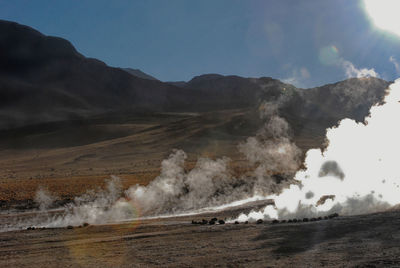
{"type": "Point", "coordinates": [139, 73]}
{"type": "Point", "coordinates": [44, 79]}
{"type": "Point", "coordinates": [68, 118]}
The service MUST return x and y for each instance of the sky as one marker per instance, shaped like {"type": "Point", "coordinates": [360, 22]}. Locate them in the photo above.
{"type": "Point", "coordinates": [307, 43]}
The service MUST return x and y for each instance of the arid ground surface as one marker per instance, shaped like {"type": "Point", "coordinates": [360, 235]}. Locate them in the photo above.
{"type": "Point", "coordinates": [358, 241]}
{"type": "Point", "coordinates": [69, 159]}
{"type": "Point", "coordinates": [68, 123]}
{"type": "Point", "coordinates": [133, 150]}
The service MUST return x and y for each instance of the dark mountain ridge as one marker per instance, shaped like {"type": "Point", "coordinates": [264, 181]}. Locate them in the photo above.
{"type": "Point", "coordinates": [139, 73]}
{"type": "Point", "coordinates": [45, 79]}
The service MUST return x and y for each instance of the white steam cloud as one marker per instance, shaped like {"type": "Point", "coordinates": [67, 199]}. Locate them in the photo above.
{"type": "Point", "coordinates": [357, 173]}
{"type": "Point", "coordinates": [352, 71]}
{"type": "Point", "coordinates": [94, 207]}
{"type": "Point", "coordinates": [210, 184]}
{"type": "Point", "coordinates": [330, 56]}
{"type": "Point", "coordinates": [395, 63]}
{"type": "Point", "coordinates": [272, 151]}
{"type": "Point", "coordinates": [298, 77]}
{"type": "Point", "coordinates": [44, 198]}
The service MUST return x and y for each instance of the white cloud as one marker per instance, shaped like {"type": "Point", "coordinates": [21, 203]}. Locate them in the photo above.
{"type": "Point", "coordinates": [304, 73]}
{"type": "Point", "coordinates": [395, 63]}
{"type": "Point", "coordinates": [299, 76]}
{"type": "Point", "coordinates": [352, 71]}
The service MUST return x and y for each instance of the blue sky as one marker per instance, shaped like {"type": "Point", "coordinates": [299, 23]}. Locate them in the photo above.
{"type": "Point", "coordinates": [307, 43]}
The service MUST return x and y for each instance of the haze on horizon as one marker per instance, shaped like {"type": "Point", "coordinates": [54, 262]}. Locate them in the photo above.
{"type": "Point", "coordinates": [101, 166]}
{"type": "Point", "coordinates": [177, 40]}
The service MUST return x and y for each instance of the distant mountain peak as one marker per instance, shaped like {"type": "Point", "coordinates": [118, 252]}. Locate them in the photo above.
{"type": "Point", "coordinates": [139, 73]}
{"type": "Point", "coordinates": [45, 79]}
{"type": "Point", "coordinates": [204, 77]}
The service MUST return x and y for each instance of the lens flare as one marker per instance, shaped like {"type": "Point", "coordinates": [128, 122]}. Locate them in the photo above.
{"type": "Point", "coordinates": [384, 14]}
{"type": "Point", "coordinates": [356, 174]}
{"type": "Point", "coordinates": [85, 247]}
{"type": "Point", "coordinates": [329, 55]}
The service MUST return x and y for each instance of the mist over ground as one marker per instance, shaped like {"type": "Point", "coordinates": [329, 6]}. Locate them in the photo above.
{"type": "Point", "coordinates": [351, 176]}
{"type": "Point", "coordinates": [357, 171]}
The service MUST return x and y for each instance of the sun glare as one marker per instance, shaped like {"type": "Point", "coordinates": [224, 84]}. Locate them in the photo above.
{"type": "Point", "coordinates": [384, 14]}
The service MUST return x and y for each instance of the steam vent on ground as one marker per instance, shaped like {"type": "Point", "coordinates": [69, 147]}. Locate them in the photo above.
{"type": "Point", "coordinates": [199, 133]}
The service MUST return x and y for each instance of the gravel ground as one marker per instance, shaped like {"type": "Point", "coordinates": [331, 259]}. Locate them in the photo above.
{"type": "Point", "coordinates": [358, 241]}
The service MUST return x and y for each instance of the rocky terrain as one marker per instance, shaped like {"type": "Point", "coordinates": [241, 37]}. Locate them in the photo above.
{"type": "Point", "coordinates": [45, 79]}
{"type": "Point", "coordinates": [357, 241]}
{"type": "Point", "coordinates": [68, 119]}
{"type": "Point", "coordinates": [67, 123]}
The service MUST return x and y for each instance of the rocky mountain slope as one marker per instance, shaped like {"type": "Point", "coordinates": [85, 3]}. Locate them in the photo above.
{"type": "Point", "coordinates": [68, 119]}
{"type": "Point", "coordinates": [139, 73]}
{"type": "Point", "coordinates": [45, 79]}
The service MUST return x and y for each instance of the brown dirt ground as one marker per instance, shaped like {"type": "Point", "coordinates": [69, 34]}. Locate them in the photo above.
{"type": "Point", "coordinates": [358, 241]}
{"type": "Point", "coordinates": [56, 158]}
{"type": "Point", "coordinates": [133, 150]}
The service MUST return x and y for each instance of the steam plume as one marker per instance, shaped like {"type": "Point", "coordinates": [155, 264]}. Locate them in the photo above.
{"type": "Point", "coordinates": [44, 198]}
{"type": "Point", "coordinates": [395, 63]}
{"type": "Point", "coordinates": [210, 183]}
{"type": "Point", "coordinates": [356, 174]}
{"type": "Point", "coordinates": [358, 171]}
{"type": "Point", "coordinates": [352, 71]}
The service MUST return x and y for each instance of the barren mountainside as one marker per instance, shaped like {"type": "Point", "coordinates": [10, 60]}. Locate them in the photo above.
{"type": "Point", "coordinates": [45, 79]}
